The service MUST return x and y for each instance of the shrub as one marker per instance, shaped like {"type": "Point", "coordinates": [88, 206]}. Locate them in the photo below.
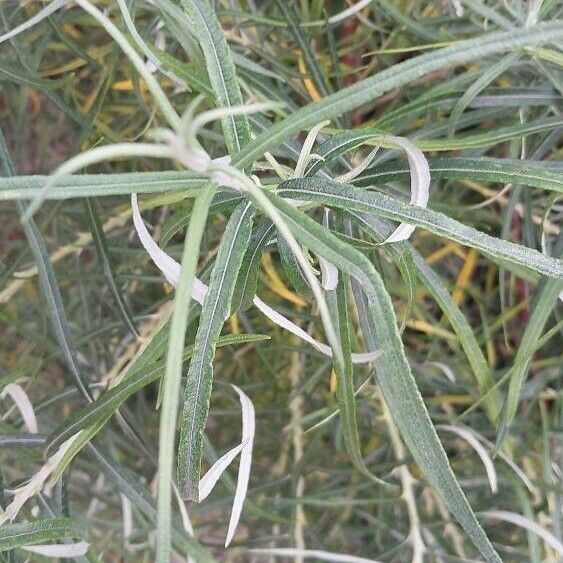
{"type": "Point", "coordinates": [384, 177]}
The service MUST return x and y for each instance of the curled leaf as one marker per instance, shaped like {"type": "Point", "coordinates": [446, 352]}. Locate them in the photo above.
{"type": "Point", "coordinates": [527, 524]}
{"type": "Point", "coordinates": [357, 170]}
{"type": "Point", "coordinates": [329, 272]}
{"type": "Point", "coordinates": [21, 400]}
{"type": "Point", "coordinates": [165, 263]}
{"type": "Point", "coordinates": [472, 440]}
{"type": "Point", "coordinates": [248, 430]}
{"type": "Point", "coordinates": [209, 480]}
{"type": "Point", "coordinates": [420, 184]}
{"type": "Point", "coordinates": [65, 550]}
{"type": "Point", "coordinates": [305, 155]}
{"type": "Point", "coordinates": [35, 484]}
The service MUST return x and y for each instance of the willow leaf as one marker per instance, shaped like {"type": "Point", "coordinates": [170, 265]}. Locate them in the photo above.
{"type": "Point", "coordinates": [546, 300]}
{"type": "Point", "coordinates": [494, 97]}
{"type": "Point", "coordinates": [479, 168]}
{"type": "Point", "coordinates": [215, 310]}
{"type": "Point", "coordinates": [531, 173]}
{"type": "Point", "coordinates": [345, 392]}
{"type": "Point", "coordinates": [247, 282]}
{"type": "Point", "coordinates": [188, 72]}
{"type": "Point", "coordinates": [221, 71]}
{"type": "Point", "coordinates": [39, 532]}
{"type": "Point", "coordinates": [535, 173]}
{"type": "Point", "coordinates": [491, 137]}
{"type": "Point", "coordinates": [292, 269]}
{"type": "Point", "coordinates": [97, 185]}
{"type": "Point", "coordinates": [393, 371]}
{"type": "Point", "coordinates": [434, 285]}
{"type": "Point", "coordinates": [489, 75]}
{"type": "Point", "coordinates": [173, 372]}
{"type": "Point", "coordinates": [329, 192]}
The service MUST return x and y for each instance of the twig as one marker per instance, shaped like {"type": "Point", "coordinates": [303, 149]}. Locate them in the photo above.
{"type": "Point", "coordinates": [296, 409]}
{"type": "Point", "coordinates": [407, 482]}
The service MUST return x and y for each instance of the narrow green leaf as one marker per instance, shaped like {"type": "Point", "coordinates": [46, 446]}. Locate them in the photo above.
{"type": "Point", "coordinates": [85, 437]}
{"type": "Point", "coordinates": [97, 185]}
{"type": "Point", "coordinates": [99, 238]}
{"type": "Point", "coordinates": [434, 285]}
{"type": "Point", "coordinates": [345, 392]}
{"type": "Point", "coordinates": [494, 97]}
{"type": "Point", "coordinates": [491, 137]}
{"type": "Point", "coordinates": [329, 192]}
{"type": "Point", "coordinates": [40, 531]}
{"type": "Point", "coordinates": [292, 269]}
{"type": "Point", "coordinates": [535, 174]}
{"type": "Point", "coordinates": [173, 372]}
{"type": "Point", "coordinates": [489, 169]}
{"type": "Point", "coordinates": [188, 72]}
{"type": "Point", "coordinates": [250, 66]}
{"type": "Point", "coordinates": [546, 300]}
{"type": "Point", "coordinates": [247, 282]}
{"type": "Point", "coordinates": [221, 71]}
{"type": "Point", "coordinates": [215, 310]}
{"type": "Point", "coordinates": [405, 264]}
{"type": "Point", "coordinates": [529, 173]}
{"type": "Point", "coordinates": [393, 371]}
{"type": "Point", "coordinates": [490, 73]}
{"type": "Point", "coordinates": [21, 439]}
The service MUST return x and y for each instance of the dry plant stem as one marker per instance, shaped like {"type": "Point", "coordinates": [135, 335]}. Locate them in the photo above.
{"type": "Point", "coordinates": [296, 409]}
{"type": "Point", "coordinates": [278, 469]}
{"type": "Point", "coordinates": [450, 529]}
{"type": "Point", "coordinates": [113, 376]}
{"type": "Point", "coordinates": [407, 483]}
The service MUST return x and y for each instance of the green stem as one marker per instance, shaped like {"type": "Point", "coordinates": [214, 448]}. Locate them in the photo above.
{"type": "Point", "coordinates": [173, 373]}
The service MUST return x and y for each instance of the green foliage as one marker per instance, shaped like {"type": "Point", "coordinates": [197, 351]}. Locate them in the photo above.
{"type": "Point", "coordinates": [202, 108]}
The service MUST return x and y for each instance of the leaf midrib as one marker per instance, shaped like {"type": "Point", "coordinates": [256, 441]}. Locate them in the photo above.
{"type": "Point", "coordinates": [199, 365]}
